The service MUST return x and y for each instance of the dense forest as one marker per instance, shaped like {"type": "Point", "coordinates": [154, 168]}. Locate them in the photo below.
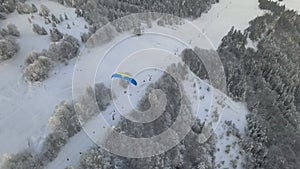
{"type": "Point", "coordinates": [99, 13]}
{"type": "Point", "coordinates": [267, 79]}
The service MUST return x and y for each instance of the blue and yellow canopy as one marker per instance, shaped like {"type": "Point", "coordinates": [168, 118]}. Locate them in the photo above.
{"type": "Point", "coordinates": [125, 76]}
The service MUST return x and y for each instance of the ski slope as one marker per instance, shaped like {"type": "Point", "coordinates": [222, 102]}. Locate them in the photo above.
{"type": "Point", "coordinates": [97, 65]}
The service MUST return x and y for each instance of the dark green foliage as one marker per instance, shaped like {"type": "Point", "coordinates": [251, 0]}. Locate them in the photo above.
{"type": "Point", "coordinates": [260, 26]}
{"type": "Point", "coordinates": [255, 143]}
{"type": "Point", "coordinates": [231, 51]}
{"type": "Point", "coordinates": [272, 6]}
{"type": "Point", "coordinates": [190, 58]}
{"type": "Point", "coordinates": [98, 13]}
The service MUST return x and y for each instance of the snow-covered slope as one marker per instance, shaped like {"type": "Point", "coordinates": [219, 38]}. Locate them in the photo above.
{"type": "Point", "coordinates": [227, 13]}
{"type": "Point", "coordinates": [121, 53]}
{"type": "Point", "coordinates": [26, 108]}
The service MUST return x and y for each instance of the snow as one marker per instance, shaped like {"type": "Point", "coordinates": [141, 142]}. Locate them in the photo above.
{"type": "Point", "coordinates": [140, 64]}
{"type": "Point", "coordinates": [290, 4]}
{"type": "Point", "coordinates": [71, 152]}
{"type": "Point", "coordinates": [227, 13]}
{"type": "Point", "coordinates": [76, 23]}
{"type": "Point", "coordinates": [26, 108]}
{"type": "Point", "coordinates": [235, 112]}
{"type": "Point", "coordinates": [251, 44]}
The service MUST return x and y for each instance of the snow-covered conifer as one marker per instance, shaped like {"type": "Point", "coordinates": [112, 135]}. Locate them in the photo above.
{"type": "Point", "coordinates": [44, 10]}
{"type": "Point", "coordinates": [39, 30]}
{"type": "Point", "coordinates": [38, 70]}
{"type": "Point", "coordinates": [8, 48]}
{"type": "Point", "coordinates": [13, 30]}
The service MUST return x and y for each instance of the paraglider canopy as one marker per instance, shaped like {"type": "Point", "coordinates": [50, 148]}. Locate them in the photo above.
{"type": "Point", "coordinates": [126, 77]}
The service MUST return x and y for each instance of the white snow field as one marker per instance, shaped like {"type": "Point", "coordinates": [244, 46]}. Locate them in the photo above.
{"type": "Point", "coordinates": [227, 13]}
{"type": "Point", "coordinates": [25, 108]}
